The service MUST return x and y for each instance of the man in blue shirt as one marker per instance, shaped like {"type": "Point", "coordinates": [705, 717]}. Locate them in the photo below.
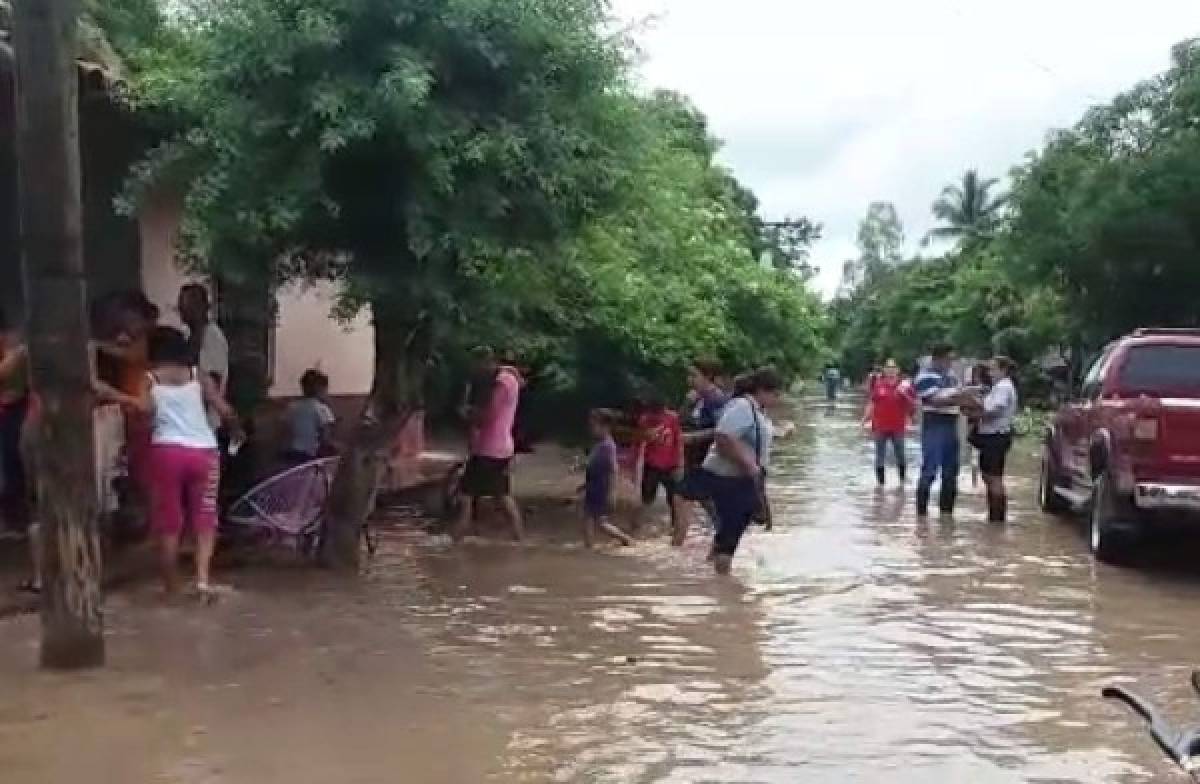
{"type": "Point", "coordinates": [939, 392]}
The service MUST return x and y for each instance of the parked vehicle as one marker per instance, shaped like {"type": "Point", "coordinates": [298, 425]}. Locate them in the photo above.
{"type": "Point", "coordinates": [1126, 449]}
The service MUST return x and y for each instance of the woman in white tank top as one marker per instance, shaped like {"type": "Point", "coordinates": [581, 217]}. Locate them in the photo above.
{"type": "Point", "coordinates": [185, 464]}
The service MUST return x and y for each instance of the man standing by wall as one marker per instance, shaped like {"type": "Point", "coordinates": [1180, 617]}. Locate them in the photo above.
{"type": "Point", "coordinates": [208, 342]}
{"type": "Point", "coordinates": [491, 411]}
{"type": "Point", "coordinates": [939, 392]}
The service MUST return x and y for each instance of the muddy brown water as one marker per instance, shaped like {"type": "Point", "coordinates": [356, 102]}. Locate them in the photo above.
{"type": "Point", "coordinates": [855, 644]}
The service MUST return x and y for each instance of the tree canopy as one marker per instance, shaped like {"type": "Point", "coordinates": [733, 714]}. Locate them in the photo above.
{"type": "Point", "coordinates": [473, 171]}
{"type": "Point", "coordinates": [1099, 235]}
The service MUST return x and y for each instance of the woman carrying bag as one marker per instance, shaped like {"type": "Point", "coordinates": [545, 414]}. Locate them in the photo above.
{"type": "Point", "coordinates": [736, 466]}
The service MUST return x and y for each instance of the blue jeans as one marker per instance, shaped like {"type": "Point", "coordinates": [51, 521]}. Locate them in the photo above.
{"type": "Point", "coordinates": [831, 388]}
{"type": "Point", "coordinates": [939, 455]}
{"type": "Point", "coordinates": [735, 499]}
{"type": "Point", "coordinates": [881, 444]}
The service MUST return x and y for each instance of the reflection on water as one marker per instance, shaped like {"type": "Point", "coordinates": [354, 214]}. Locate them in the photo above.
{"type": "Point", "coordinates": [856, 644]}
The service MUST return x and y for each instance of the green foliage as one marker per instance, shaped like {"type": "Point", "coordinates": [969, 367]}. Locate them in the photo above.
{"type": "Point", "coordinates": [667, 276]}
{"type": "Point", "coordinates": [480, 166]}
{"type": "Point", "coordinates": [1100, 234]}
{"type": "Point", "coordinates": [880, 246]}
{"type": "Point", "coordinates": [1106, 213]}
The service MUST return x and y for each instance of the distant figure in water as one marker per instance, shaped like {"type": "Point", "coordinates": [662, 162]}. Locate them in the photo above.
{"type": "Point", "coordinates": [833, 382]}
{"type": "Point", "coordinates": [600, 481]}
{"type": "Point", "coordinates": [889, 406]}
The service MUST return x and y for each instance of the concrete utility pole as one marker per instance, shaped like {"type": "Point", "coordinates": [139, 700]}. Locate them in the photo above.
{"type": "Point", "coordinates": [44, 33]}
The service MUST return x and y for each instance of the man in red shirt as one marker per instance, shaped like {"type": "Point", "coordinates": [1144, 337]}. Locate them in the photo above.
{"type": "Point", "coordinates": [662, 434]}
{"type": "Point", "coordinates": [889, 407]}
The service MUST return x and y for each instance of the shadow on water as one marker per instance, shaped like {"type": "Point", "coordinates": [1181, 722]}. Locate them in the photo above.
{"type": "Point", "coordinates": [856, 644]}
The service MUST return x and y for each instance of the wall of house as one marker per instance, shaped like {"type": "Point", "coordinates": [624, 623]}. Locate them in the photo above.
{"type": "Point", "coordinates": [158, 223]}
{"type": "Point", "coordinates": [307, 336]}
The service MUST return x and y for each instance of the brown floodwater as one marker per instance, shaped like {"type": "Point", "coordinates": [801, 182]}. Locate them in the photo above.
{"type": "Point", "coordinates": [854, 644]}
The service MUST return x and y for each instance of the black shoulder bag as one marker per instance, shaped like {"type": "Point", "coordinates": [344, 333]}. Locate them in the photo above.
{"type": "Point", "coordinates": [762, 508]}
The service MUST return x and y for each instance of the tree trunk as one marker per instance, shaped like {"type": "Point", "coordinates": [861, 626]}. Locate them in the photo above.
{"type": "Point", "coordinates": [402, 345]}
{"type": "Point", "coordinates": [51, 234]}
{"type": "Point", "coordinates": [246, 311]}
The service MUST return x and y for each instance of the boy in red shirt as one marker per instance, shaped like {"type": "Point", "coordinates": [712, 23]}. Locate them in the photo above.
{"type": "Point", "coordinates": [889, 407]}
{"type": "Point", "coordinates": [662, 434]}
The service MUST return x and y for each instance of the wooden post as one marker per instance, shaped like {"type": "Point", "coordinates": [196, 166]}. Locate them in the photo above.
{"type": "Point", "coordinates": [53, 276]}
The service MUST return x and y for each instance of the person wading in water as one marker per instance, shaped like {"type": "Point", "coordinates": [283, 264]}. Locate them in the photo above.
{"type": "Point", "coordinates": [994, 436]}
{"type": "Point", "coordinates": [736, 466]}
{"type": "Point", "coordinates": [888, 410]}
{"type": "Point", "coordinates": [491, 411]}
{"type": "Point", "coordinates": [939, 392]}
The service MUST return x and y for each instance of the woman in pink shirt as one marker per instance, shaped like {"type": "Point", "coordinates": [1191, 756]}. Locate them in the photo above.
{"type": "Point", "coordinates": [491, 412]}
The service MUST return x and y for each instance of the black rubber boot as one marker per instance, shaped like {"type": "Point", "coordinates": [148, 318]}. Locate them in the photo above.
{"type": "Point", "coordinates": [922, 502]}
{"type": "Point", "coordinates": [946, 500]}
{"type": "Point", "coordinates": [879, 476]}
{"type": "Point", "coordinates": [997, 508]}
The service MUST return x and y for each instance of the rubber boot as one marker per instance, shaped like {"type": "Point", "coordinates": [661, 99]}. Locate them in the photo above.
{"type": "Point", "coordinates": [922, 502]}
{"type": "Point", "coordinates": [900, 473]}
{"type": "Point", "coordinates": [946, 500]}
{"type": "Point", "coordinates": [997, 508]}
{"type": "Point", "coordinates": [879, 476]}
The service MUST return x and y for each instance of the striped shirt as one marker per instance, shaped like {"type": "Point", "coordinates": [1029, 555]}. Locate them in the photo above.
{"type": "Point", "coordinates": [999, 408]}
{"type": "Point", "coordinates": [933, 387]}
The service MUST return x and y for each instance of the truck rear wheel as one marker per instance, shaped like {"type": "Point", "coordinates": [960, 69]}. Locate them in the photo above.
{"type": "Point", "coordinates": [1050, 501]}
{"type": "Point", "coordinates": [1105, 539]}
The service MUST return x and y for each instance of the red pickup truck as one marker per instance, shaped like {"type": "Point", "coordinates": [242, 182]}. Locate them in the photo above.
{"type": "Point", "coordinates": [1127, 450]}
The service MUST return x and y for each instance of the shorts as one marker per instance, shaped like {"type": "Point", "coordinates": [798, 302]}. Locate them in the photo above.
{"type": "Point", "coordinates": [736, 500]}
{"type": "Point", "coordinates": [993, 452]}
{"type": "Point", "coordinates": [654, 478]}
{"type": "Point", "coordinates": [487, 477]}
{"type": "Point", "coordinates": [183, 479]}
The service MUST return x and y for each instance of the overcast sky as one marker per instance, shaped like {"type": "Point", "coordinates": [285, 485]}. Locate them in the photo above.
{"type": "Point", "coordinates": [826, 106]}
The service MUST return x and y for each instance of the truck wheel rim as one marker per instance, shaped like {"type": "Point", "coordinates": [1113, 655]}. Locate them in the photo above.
{"type": "Point", "coordinates": [1094, 533]}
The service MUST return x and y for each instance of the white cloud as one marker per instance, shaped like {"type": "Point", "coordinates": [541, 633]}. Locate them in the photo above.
{"type": "Point", "coordinates": [825, 107]}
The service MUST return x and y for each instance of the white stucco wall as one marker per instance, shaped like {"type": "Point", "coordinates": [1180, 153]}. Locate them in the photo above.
{"type": "Point", "coordinates": [161, 276]}
{"type": "Point", "coordinates": [307, 336]}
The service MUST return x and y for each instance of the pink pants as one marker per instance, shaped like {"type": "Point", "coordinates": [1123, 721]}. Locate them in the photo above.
{"type": "Point", "coordinates": [183, 478]}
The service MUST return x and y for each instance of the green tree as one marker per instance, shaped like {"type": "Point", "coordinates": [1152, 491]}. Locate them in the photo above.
{"type": "Point", "coordinates": [1105, 214]}
{"type": "Point", "coordinates": [880, 245]}
{"type": "Point", "coordinates": [403, 148]}
{"type": "Point", "coordinates": [968, 211]}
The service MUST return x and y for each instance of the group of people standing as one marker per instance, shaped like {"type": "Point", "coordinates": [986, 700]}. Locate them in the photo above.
{"type": "Point", "coordinates": [169, 384]}
{"type": "Point", "coordinates": [714, 452]}
{"type": "Point", "coordinates": [985, 410]}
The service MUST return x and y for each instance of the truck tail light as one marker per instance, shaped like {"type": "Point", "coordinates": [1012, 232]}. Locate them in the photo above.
{"type": "Point", "coordinates": [1145, 430]}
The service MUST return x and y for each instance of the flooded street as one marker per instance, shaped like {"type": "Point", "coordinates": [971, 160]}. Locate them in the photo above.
{"type": "Point", "coordinates": [854, 644]}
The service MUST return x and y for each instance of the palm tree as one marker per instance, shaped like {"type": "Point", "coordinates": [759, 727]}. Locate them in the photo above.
{"type": "Point", "coordinates": [968, 210]}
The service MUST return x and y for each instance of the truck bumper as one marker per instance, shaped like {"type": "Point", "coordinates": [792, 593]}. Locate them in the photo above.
{"type": "Point", "coordinates": [1167, 497]}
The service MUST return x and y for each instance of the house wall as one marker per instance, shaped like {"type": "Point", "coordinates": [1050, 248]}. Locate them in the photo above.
{"type": "Point", "coordinates": [158, 223]}
{"type": "Point", "coordinates": [307, 336]}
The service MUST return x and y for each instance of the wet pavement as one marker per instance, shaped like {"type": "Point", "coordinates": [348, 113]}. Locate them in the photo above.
{"type": "Point", "coordinates": [854, 644]}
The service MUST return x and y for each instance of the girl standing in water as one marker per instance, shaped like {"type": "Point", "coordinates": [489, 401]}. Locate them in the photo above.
{"type": "Point", "coordinates": [600, 481]}
{"type": "Point", "coordinates": [184, 461]}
